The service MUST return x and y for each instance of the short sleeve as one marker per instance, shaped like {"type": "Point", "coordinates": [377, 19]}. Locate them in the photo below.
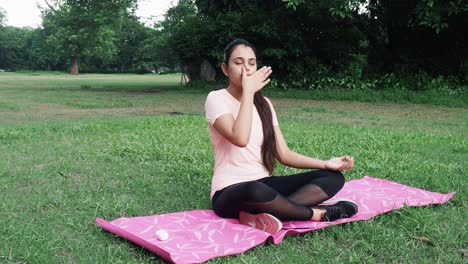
{"type": "Point", "coordinates": [273, 113]}
{"type": "Point", "coordinates": [215, 107]}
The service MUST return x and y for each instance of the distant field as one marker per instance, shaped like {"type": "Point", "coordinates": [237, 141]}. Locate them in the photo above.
{"type": "Point", "coordinates": [30, 97]}
{"type": "Point", "coordinates": [75, 148]}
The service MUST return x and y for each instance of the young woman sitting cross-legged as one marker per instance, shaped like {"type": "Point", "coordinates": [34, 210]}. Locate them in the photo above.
{"type": "Point", "coordinates": [248, 141]}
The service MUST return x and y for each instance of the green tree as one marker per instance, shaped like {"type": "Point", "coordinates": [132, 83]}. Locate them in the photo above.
{"type": "Point", "coordinates": [411, 36]}
{"type": "Point", "coordinates": [157, 52]}
{"type": "Point", "coordinates": [15, 48]}
{"type": "Point", "coordinates": [128, 42]}
{"type": "Point", "coordinates": [83, 29]}
{"type": "Point", "coordinates": [294, 36]}
{"type": "Point", "coordinates": [2, 16]}
{"type": "Point", "coordinates": [184, 35]}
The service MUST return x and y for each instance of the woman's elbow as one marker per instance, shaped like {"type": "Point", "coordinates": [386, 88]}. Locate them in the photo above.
{"type": "Point", "coordinates": [282, 158]}
{"type": "Point", "coordinates": [241, 143]}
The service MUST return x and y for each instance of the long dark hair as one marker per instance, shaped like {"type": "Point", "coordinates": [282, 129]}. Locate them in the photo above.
{"type": "Point", "coordinates": [269, 151]}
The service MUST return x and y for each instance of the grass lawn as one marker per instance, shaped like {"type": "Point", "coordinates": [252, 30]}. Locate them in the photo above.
{"type": "Point", "coordinates": [74, 148]}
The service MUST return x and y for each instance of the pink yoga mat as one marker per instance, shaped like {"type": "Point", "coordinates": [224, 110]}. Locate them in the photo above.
{"type": "Point", "coordinates": [199, 235]}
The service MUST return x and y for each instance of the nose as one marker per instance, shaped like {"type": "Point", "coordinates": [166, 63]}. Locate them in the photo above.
{"type": "Point", "coordinates": [247, 67]}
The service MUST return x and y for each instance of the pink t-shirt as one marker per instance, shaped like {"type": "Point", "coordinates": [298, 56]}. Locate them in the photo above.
{"type": "Point", "coordinates": [234, 164]}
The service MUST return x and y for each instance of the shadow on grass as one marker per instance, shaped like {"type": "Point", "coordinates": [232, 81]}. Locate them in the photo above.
{"type": "Point", "coordinates": [154, 90]}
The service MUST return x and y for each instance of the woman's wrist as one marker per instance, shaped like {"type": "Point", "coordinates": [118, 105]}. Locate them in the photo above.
{"type": "Point", "coordinates": [248, 94]}
{"type": "Point", "coordinates": [324, 164]}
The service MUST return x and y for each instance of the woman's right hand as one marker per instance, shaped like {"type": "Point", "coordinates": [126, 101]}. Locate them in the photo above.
{"type": "Point", "coordinates": [256, 81]}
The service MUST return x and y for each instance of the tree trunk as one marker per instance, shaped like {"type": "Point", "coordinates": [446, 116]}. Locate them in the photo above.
{"type": "Point", "coordinates": [207, 72]}
{"type": "Point", "coordinates": [193, 71]}
{"type": "Point", "coordinates": [74, 66]}
{"type": "Point", "coordinates": [184, 78]}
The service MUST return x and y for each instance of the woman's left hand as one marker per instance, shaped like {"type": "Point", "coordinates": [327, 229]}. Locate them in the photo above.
{"type": "Point", "coordinates": [339, 164]}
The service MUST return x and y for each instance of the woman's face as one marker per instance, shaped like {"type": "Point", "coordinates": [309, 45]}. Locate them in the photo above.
{"type": "Point", "coordinates": [241, 57]}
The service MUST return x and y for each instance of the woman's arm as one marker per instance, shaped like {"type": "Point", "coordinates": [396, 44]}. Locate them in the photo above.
{"type": "Point", "coordinates": [237, 131]}
{"type": "Point", "coordinates": [296, 160]}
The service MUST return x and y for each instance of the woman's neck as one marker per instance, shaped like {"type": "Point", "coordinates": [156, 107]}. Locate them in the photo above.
{"type": "Point", "coordinates": [236, 92]}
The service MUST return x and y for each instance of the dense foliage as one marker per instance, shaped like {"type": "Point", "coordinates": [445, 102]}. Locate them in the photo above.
{"type": "Point", "coordinates": [354, 37]}
{"type": "Point", "coordinates": [305, 41]}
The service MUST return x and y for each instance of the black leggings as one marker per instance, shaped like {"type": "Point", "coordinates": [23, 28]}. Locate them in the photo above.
{"type": "Point", "coordinates": [286, 197]}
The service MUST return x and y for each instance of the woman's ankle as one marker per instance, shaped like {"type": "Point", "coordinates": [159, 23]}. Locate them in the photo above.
{"type": "Point", "coordinates": [317, 214]}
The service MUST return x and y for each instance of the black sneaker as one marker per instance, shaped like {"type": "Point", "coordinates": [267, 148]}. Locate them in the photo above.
{"type": "Point", "coordinates": [341, 209]}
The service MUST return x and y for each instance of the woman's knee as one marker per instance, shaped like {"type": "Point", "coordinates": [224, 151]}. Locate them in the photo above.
{"type": "Point", "coordinates": [335, 181]}
{"type": "Point", "coordinates": [338, 178]}
{"type": "Point", "coordinates": [258, 192]}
